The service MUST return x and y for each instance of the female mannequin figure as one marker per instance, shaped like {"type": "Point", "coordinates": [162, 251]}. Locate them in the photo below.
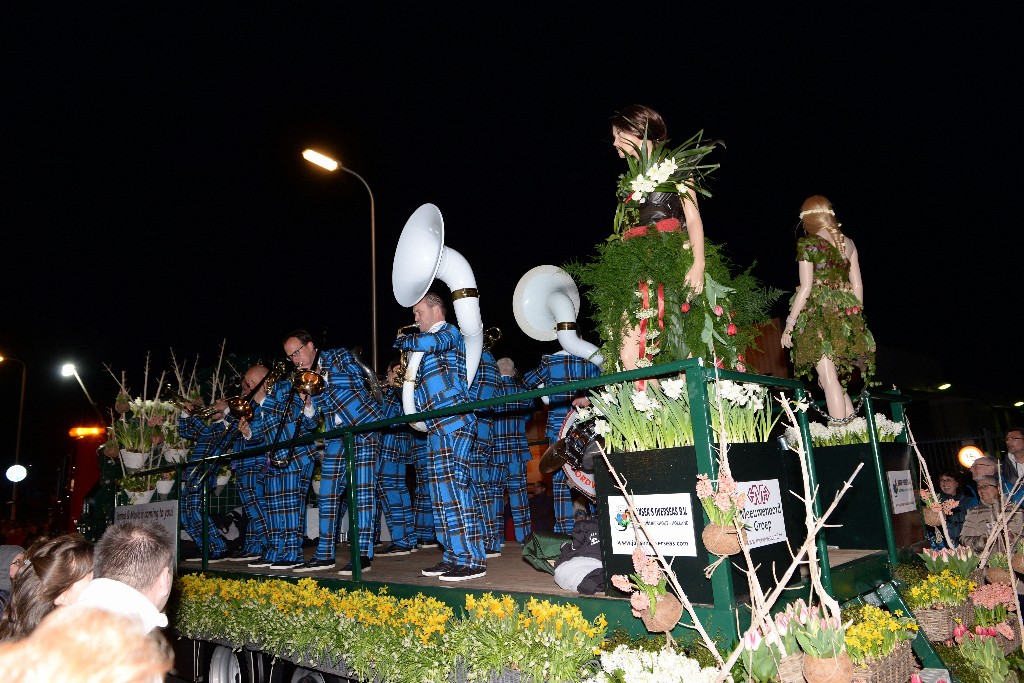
{"type": "Point", "coordinates": [826, 328]}
{"type": "Point", "coordinates": [661, 291]}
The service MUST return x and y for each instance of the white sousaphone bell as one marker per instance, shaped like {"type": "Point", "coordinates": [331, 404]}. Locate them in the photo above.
{"type": "Point", "coordinates": [545, 303]}
{"type": "Point", "coordinates": [420, 257]}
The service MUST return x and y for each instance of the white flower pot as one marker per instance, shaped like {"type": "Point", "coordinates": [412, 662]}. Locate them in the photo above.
{"type": "Point", "coordinates": [141, 497]}
{"type": "Point", "coordinates": [173, 455]}
{"type": "Point", "coordinates": [133, 460]}
{"type": "Point", "coordinates": [164, 486]}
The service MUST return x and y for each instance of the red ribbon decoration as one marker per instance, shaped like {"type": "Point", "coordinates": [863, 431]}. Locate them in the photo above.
{"type": "Point", "coordinates": [645, 295]}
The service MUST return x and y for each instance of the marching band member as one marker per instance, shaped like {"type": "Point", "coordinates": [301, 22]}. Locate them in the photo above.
{"type": "Point", "coordinates": [483, 475]}
{"type": "Point", "coordinates": [441, 383]}
{"type": "Point", "coordinates": [345, 400]}
{"type": "Point", "coordinates": [422, 509]}
{"type": "Point", "coordinates": [208, 440]}
{"type": "Point", "coordinates": [395, 456]}
{"type": "Point", "coordinates": [512, 452]}
{"type": "Point", "coordinates": [561, 368]}
{"type": "Point", "coordinates": [279, 422]}
{"type": "Point", "coordinates": [251, 472]}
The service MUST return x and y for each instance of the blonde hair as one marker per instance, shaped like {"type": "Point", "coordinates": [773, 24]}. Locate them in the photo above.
{"type": "Point", "coordinates": [84, 644]}
{"type": "Point", "coordinates": [817, 214]}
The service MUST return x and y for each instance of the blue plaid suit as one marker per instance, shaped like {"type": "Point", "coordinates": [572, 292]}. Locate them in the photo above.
{"type": "Point", "coordinates": [392, 489]}
{"type": "Point", "coordinates": [511, 453]}
{"type": "Point", "coordinates": [207, 440]}
{"type": "Point", "coordinates": [422, 509]}
{"type": "Point", "coordinates": [440, 383]}
{"type": "Point", "coordinates": [250, 473]}
{"type": "Point", "coordinates": [346, 400]}
{"type": "Point", "coordinates": [560, 368]}
{"type": "Point", "coordinates": [286, 487]}
{"type": "Point", "coordinates": [483, 475]}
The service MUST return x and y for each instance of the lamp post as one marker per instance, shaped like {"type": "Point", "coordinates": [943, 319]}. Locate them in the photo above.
{"type": "Point", "coordinates": [67, 370]}
{"type": "Point", "coordinates": [16, 473]}
{"type": "Point", "coordinates": [326, 162]}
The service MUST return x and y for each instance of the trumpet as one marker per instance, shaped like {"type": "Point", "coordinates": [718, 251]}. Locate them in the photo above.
{"type": "Point", "coordinates": [308, 382]}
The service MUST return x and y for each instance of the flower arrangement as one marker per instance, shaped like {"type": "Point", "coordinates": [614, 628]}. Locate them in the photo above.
{"type": "Point", "coordinates": [723, 504]}
{"type": "Point", "coordinates": [932, 501]}
{"type": "Point", "coordinates": [875, 633]}
{"type": "Point", "coordinates": [645, 585]}
{"type": "Point", "coordinates": [854, 431]}
{"type": "Point", "coordinates": [983, 651]}
{"type": "Point", "coordinates": [821, 636]}
{"type": "Point", "coordinates": [942, 589]}
{"type": "Point", "coordinates": [993, 603]}
{"type": "Point", "coordinates": [629, 665]}
{"type": "Point", "coordinates": [961, 562]}
{"type": "Point", "coordinates": [999, 560]}
{"type": "Point", "coordinates": [659, 415]}
{"type": "Point", "coordinates": [376, 636]}
{"type": "Point", "coordinates": [760, 655]}
{"type": "Point", "coordinates": [136, 484]}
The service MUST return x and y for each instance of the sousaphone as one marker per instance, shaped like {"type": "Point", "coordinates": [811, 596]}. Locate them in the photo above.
{"type": "Point", "coordinates": [546, 303]}
{"type": "Point", "coordinates": [421, 257]}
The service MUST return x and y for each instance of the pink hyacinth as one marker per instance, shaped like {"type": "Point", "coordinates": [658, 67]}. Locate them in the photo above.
{"type": "Point", "coordinates": [622, 583]}
{"type": "Point", "coordinates": [704, 488]}
{"type": "Point", "coordinates": [1005, 630]}
{"type": "Point", "coordinates": [639, 602]}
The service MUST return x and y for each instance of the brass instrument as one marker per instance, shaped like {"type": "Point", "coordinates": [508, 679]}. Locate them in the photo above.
{"type": "Point", "coordinates": [241, 407]}
{"type": "Point", "coordinates": [308, 382]}
{"type": "Point", "coordinates": [192, 406]}
{"type": "Point", "coordinates": [403, 358]}
{"type": "Point", "coordinates": [491, 337]}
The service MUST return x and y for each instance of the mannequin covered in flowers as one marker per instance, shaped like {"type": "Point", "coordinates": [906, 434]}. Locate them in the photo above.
{"type": "Point", "coordinates": [660, 290]}
{"type": "Point", "coordinates": [825, 328]}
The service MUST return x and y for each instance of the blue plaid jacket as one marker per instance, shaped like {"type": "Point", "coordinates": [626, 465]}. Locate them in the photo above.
{"type": "Point", "coordinates": [346, 400]}
{"type": "Point", "coordinates": [510, 442]}
{"type": "Point", "coordinates": [559, 368]}
{"type": "Point", "coordinates": [207, 439]}
{"type": "Point", "coordinates": [280, 405]}
{"type": "Point", "coordinates": [441, 380]}
{"type": "Point", "coordinates": [487, 384]}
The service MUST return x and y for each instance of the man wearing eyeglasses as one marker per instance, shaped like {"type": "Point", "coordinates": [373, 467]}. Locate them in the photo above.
{"type": "Point", "coordinates": [1011, 468]}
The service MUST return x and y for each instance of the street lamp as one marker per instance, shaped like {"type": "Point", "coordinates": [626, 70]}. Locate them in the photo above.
{"type": "Point", "coordinates": [67, 370]}
{"type": "Point", "coordinates": [16, 472]}
{"type": "Point", "coordinates": [326, 162]}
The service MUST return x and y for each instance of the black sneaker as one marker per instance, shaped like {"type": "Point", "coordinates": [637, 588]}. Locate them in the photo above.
{"type": "Point", "coordinates": [210, 560]}
{"type": "Point", "coordinates": [291, 564]}
{"type": "Point", "coordinates": [437, 569]}
{"type": "Point", "coordinates": [394, 551]}
{"type": "Point", "coordinates": [493, 553]}
{"type": "Point", "coordinates": [313, 564]}
{"type": "Point", "coordinates": [261, 562]}
{"type": "Point", "coordinates": [364, 562]}
{"type": "Point", "coordinates": [463, 574]}
{"type": "Point", "coordinates": [243, 556]}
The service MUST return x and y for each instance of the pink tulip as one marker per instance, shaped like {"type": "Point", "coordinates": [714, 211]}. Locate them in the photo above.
{"type": "Point", "coordinates": [752, 640]}
{"type": "Point", "coordinates": [959, 630]}
{"type": "Point", "coordinates": [804, 615]}
{"type": "Point", "coordinates": [718, 311]}
{"type": "Point", "coordinates": [980, 630]}
{"type": "Point", "coordinates": [915, 678]}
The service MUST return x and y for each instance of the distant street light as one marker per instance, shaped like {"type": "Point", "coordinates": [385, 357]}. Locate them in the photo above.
{"type": "Point", "coordinates": [67, 370]}
{"type": "Point", "coordinates": [16, 472]}
{"type": "Point", "coordinates": [326, 162]}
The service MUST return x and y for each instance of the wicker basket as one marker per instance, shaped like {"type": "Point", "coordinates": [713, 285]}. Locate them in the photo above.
{"type": "Point", "coordinates": [937, 624]}
{"type": "Point", "coordinates": [791, 668]}
{"type": "Point", "coordinates": [668, 609]}
{"type": "Point", "coordinates": [1017, 563]}
{"type": "Point", "coordinates": [894, 668]}
{"type": "Point", "coordinates": [1011, 645]}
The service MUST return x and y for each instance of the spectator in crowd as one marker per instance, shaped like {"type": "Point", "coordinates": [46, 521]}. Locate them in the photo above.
{"type": "Point", "coordinates": [980, 520]}
{"type": "Point", "coordinates": [950, 488]}
{"type": "Point", "coordinates": [542, 509]}
{"type": "Point", "coordinates": [133, 566]}
{"type": "Point", "coordinates": [85, 644]}
{"type": "Point", "coordinates": [10, 561]}
{"type": "Point", "coordinates": [53, 574]}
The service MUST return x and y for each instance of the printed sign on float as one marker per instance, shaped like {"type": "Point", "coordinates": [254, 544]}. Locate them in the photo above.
{"type": "Point", "coordinates": [164, 513]}
{"type": "Point", "coordinates": [762, 512]}
{"type": "Point", "coordinates": [901, 491]}
{"type": "Point", "coordinates": [667, 516]}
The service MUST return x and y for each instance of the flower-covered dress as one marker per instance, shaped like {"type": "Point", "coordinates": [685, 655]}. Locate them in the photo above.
{"type": "Point", "coordinates": [831, 323]}
{"type": "Point", "coordinates": [638, 275]}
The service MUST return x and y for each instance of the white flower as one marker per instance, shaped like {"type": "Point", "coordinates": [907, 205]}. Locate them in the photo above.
{"type": "Point", "coordinates": [673, 388]}
{"type": "Point", "coordinates": [601, 427]}
{"type": "Point", "coordinates": [681, 188]}
{"type": "Point", "coordinates": [645, 313]}
{"type": "Point", "coordinates": [643, 402]}
{"type": "Point", "coordinates": [584, 413]}
{"type": "Point", "coordinates": [653, 333]}
{"type": "Point", "coordinates": [643, 363]}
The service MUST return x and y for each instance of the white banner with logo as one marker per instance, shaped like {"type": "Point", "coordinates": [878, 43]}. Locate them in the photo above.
{"type": "Point", "coordinates": [762, 512]}
{"type": "Point", "coordinates": [667, 516]}
{"type": "Point", "coordinates": [901, 492]}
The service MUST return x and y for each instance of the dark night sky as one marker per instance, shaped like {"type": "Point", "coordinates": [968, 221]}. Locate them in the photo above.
{"type": "Point", "coordinates": [154, 197]}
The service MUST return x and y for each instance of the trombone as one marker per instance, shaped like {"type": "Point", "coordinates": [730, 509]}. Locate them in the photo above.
{"type": "Point", "coordinates": [192, 406]}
